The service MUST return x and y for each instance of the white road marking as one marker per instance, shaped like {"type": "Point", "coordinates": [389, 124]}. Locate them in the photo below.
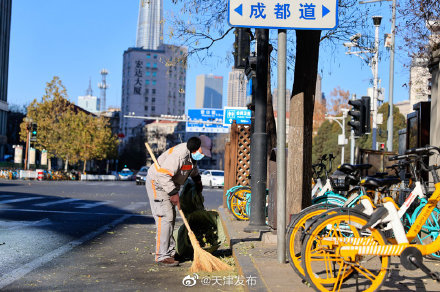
{"type": "Point", "coordinates": [93, 205]}
{"type": "Point", "coordinates": [21, 200]}
{"type": "Point", "coordinates": [69, 212]}
{"type": "Point", "coordinates": [20, 272]}
{"type": "Point", "coordinates": [6, 196]}
{"type": "Point", "coordinates": [13, 225]}
{"type": "Point", "coordinates": [135, 206]}
{"type": "Point", "coordinates": [56, 202]}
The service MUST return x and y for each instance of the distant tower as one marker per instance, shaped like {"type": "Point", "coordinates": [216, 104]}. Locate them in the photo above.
{"type": "Point", "coordinates": [103, 86]}
{"type": "Point", "coordinates": [89, 90]}
{"type": "Point", "coordinates": [89, 102]}
{"type": "Point", "coordinates": [150, 24]}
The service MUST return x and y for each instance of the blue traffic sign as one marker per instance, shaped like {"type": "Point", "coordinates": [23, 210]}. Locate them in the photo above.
{"type": "Point", "coordinates": [301, 14]}
{"type": "Point", "coordinates": [240, 115]}
{"type": "Point", "coordinates": [206, 120]}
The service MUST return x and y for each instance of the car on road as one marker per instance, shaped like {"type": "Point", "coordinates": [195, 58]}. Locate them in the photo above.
{"type": "Point", "coordinates": [141, 175]}
{"type": "Point", "coordinates": [125, 174]}
{"type": "Point", "coordinates": [213, 178]}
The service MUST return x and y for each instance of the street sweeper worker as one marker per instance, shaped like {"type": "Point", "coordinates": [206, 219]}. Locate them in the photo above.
{"type": "Point", "coordinates": [163, 184]}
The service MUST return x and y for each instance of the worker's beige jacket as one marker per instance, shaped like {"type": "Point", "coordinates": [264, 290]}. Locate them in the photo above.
{"type": "Point", "coordinates": [176, 166]}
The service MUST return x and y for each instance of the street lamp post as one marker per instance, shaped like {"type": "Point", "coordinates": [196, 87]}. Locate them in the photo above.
{"type": "Point", "coordinates": [376, 20]}
{"type": "Point", "coordinates": [390, 123]}
{"type": "Point", "coordinates": [28, 122]}
{"type": "Point", "coordinates": [343, 140]}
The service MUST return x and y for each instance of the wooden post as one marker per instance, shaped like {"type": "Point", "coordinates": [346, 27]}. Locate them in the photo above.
{"type": "Point", "coordinates": [234, 153]}
{"type": "Point", "coordinates": [227, 160]}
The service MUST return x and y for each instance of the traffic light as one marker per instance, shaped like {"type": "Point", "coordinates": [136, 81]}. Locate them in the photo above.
{"type": "Point", "coordinates": [242, 47]}
{"type": "Point", "coordinates": [366, 102]}
{"type": "Point", "coordinates": [357, 113]}
{"type": "Point", "coordinates": [33, 132]}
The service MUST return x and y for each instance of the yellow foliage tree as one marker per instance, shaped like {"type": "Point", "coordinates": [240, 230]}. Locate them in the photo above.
{"type": "Point", "coordinates": [68, 132]}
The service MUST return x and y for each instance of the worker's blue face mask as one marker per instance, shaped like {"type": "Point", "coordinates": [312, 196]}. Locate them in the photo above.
{"type": "Point", "coordinates": [197, 155]}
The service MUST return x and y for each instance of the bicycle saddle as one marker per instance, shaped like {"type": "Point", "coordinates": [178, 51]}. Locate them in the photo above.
{"type": "Point", "coordinates": [374, 182]}
{"type": "Point", "coordinates": [350, 168]}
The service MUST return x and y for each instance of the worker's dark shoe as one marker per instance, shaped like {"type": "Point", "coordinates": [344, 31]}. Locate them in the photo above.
{"type": "Point", "coordinates": [169, 262]}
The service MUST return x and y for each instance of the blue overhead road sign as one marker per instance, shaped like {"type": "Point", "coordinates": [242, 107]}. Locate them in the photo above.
{"type": "Point", "coordinates": [301, 14]}
{"type": "Point", "coordinates": [206, 120]}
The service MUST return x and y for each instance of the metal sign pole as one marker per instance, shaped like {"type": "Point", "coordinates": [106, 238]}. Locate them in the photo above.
{"type": "Point", "coordinates": [281, 148]}
{"type": "Point", "coordinates": [390, 124]}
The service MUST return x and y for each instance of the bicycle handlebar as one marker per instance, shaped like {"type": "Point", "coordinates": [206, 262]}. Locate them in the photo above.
{"type": "Point", "coordinates": [423, 150]}
{"type": "Point", "coordinates": [403, 156]}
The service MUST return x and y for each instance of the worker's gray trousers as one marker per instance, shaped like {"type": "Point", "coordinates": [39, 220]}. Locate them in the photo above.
{"type": "Point", "coordinates": [164, 214]}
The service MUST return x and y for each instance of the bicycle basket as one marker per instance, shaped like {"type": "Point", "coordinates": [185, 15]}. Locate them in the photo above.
{"type": "Point", "coordinates": [340, 181]}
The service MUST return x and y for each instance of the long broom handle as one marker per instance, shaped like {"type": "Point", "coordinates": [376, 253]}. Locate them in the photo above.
{"type": "Point", "coordinates": [152, 154]}
{"type": "Point", "coordinates": [158, 166]}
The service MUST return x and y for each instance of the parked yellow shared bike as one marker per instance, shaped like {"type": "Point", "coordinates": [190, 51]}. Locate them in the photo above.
{"type": "Point", "coordinates": [348, 251]}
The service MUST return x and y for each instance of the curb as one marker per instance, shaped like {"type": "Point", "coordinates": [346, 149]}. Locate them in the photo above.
{"type": "Point", "coordinates": [245, 265]}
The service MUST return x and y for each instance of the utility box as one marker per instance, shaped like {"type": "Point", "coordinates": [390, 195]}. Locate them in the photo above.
{"type": "Point", "coordinates": [272, 200]}
{"type": "Point", "coordinates": [377, 158]}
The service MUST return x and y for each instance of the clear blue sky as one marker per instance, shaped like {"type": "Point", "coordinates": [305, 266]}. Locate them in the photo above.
{"type": "Point", "coordinates": [75, 39]}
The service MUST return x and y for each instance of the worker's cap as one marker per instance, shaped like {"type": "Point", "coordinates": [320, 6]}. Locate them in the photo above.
{"type": "Point", "coordinates": [206, 145]}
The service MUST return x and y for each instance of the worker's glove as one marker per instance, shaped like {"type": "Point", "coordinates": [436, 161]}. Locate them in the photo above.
{"type": "Point", "coordinates": [175, 200]}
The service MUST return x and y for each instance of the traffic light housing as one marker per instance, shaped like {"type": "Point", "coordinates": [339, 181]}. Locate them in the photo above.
{"type": "Point", "coordinates": [360, 115]}
{"type": "Point", "coordinates": [367, 112]}
{"type": "Point", "coordinates": [242, 47]}
{"type": "Point", "coordinates": [33, 132]}
{"type": "Point", "coordinates": [357, 113]}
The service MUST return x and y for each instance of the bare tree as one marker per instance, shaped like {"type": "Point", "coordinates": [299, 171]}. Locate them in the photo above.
{"type": "Point", "coordinates": [418, 24]}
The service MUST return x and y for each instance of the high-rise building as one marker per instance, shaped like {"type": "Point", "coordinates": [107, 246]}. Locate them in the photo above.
{"type": "Point", "coordinates": [419, 78]}
{"type": "Point", "coordinates": [153, 73]}
{"type": "Point", "coordinates": [5, 28]}
{"type": "Point", "coordinates": [237, 84]}
{"type": "Point", "coordinates": [209, 91]}
{"type": "Point", "coordinates": [153, 83]}
{"type": "Point", "coordinates": [150, 24]}
{"type": "Point", "coordinates": [89, 102]}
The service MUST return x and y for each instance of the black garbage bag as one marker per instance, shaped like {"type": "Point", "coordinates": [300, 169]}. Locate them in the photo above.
{"type": "Point", "coordinates": [207, 228]}
{"type": "Point", "coordinates": [206, 225]}
{"type": "Point", "coordinates": [190, 199]}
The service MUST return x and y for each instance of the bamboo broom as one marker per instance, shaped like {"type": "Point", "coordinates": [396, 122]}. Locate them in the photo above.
{"type": "Point", "coordinates": [203, 260]}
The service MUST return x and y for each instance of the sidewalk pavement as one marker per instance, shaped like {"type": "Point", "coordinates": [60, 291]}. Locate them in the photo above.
{"type": "Point", "coordinates": [256, 255]}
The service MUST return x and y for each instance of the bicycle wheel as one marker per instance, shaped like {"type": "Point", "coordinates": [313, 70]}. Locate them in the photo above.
{"type": "Point", "coordinates": [326, 270]}
{"type": "Point", "coordinates": [238, 203]}
{"type": "Point", "coordinates": [229, 196]}
{"type": "Point", "coordinates": [296, 234]}
{"type": "Point", "coordinates": [330, 198]}
{"type": "Point", "coordinates": [430, 230]}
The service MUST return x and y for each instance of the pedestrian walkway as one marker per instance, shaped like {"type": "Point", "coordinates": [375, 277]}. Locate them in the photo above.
{"type": "Point", "coordinates": [258, 257]}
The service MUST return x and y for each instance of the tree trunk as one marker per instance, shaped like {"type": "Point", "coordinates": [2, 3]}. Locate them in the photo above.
{"type": "Point", "coordinates": [299, 167]}
{"type": "Point", "coordinates": [85, 164]}
{"type": "Point", "coordinates": [49, 163]}
{"type": "Point", "coordinates": [66, 166]}
{"type": "Point", "coordinates": [271, 129]}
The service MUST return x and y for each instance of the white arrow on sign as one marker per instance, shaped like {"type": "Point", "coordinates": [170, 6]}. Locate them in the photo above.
{"type": "Point", "coordinates": [317, 14]}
